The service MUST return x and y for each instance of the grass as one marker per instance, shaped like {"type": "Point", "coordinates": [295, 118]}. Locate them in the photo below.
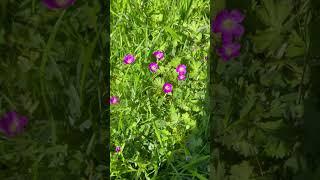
{"type": "Point", "coordinates": [161, 136]}
{"type": "Point", "coordinates": [51, 71]}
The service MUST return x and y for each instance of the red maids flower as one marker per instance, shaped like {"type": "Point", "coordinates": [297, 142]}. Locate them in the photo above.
{"type": "Point", "coordinates": [228, 24]}
{"type": "Point", "coordinates": [114, 100]}
{"type": "Point", "coordinates": [12, 124]}
{"type": "Point", "coordinates": [158, 54]}
{"type": "Point", "coordinates": [167, 88]}
{"type": "Point", "coordinates": [229, 51]}
{"type": "Point", "coordinates": [58, 4]}
{"type": "Point", "coordinates": [129, 59]}
{"type": "Point", "coordinates": [181, 77]}
{"type": "Point", "coordinates": [153, 67]}
{"type": "Point", "coordinates": [181, 69]}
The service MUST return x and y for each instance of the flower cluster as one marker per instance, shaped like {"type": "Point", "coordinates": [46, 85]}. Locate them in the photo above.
{"type": "Point", "coordinates": [153, 68]}
{"type": "Point", "coordinates": [228, 24]}
{"type": "Point", "coordinates": [12, 124]}
{"type": "Point", "coordinates": [182, 71]}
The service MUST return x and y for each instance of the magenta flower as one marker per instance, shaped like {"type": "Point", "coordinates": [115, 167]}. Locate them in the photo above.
{"type": "Point", "coordinates": [181, 77]}
{"type": "Point", "coordinates": [128, 59]}
{"type": "Point", "coordinates": [153, 67]}
{"type": "Point", "coordinates": [158, 54]}
{"type": "Point", "coordinates": [181, 69]}
{"type": "Point", "coordinates": [114, 100]}
{"type": "Point", "coordinates": [167, 88]}
{"type": "Point", "coordinates": [118, 149]}
{"type": "Point", "coordinates": [11, 124]}
{"type": "Point", "coordinates": [229, 51]}
{"type": "Point", "coordinates": [228, 24]}
{"type": "Point", "coordinates": [58, 4]}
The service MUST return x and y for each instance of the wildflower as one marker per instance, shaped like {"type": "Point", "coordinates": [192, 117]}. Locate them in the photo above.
{"type": "Point", "coordinates": [181, 69]}
{"type": "Point", "coordinates": [181, 77]}
{"type": "Point", "coordinates": [114, 100]}
{"type": "Point", "coordinates": [228, 24]}
{"type": "Point", "coordinates": [153, 67]}
{"type": "Point", "coordinates": [118, 149]}
{"type": "Point", "coordinates": [167, 88]}
{"type": "Point", "coordinates": [158, 54]}
{"type": "Point", "coordinates": [11, 124]}
{"type": "Point", "coordinates": [228, 51]}
{"type": "Point", "coordinates": [128, 59]}
{"type": "Point", "coordinates": [58, 4]}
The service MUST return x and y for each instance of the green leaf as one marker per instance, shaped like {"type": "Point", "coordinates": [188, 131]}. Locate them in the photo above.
{"type": "Point", "coordinates": [173, 33]}
{"type": "Point", "coordinates": [271, 125]}
{"type": "Point", "coordinates": [267, 39]}
{"type": "Point", "coordinates": [276, 148]}
{"type": "Point", "coordinates": [274, 13]}
{"type": "Point", "coordinates": [219, 173]}
{"type": "Point", "coordinates": [218, 5]}
{"type": "Point", "coordinates": [296, 45]}
{"type": "Point", "coordinates": [157, 17]}
{"type": "Point", "coordinates": [248, 106]}
{"type": "Point", "coordinates": [54, 72]}
{"type": "Point", "coordinates": [190, 123]}
{"type": "Point", "coordinates": [74, 104]}
{"type": "Point", "coordinates": [57, 149]}
{"type": "Point", "coordinates": [242, 171]}
{"type": "Point", "coordinates": [174, 62]}
{"type": "Point", "coordinates": [292, 163]}
{"type": "Point", "coordinates": [244, 148]}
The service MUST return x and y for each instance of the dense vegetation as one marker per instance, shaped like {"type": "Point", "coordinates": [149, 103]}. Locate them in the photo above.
{"type": "Point", "coordinates": [51, 66]}
{"type": "Point", "coordinates": [154, 134]}
{"type": "Point", "coordinates": [265, 102]}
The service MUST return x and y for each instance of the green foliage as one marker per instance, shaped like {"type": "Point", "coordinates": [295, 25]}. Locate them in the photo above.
{"type": "Point", "coordinates": [161, 136]}
{"type": "Point", "coordinates": [51, 72]}
{"type": "Point", "coordinates": [257, 108]}
{"type": "Point", "coordinates": [241, 172]}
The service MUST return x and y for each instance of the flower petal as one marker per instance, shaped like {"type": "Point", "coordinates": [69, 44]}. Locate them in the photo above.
{"type": "Point", "coordinates": [226, 38]}
{"type": "Point", "coordinates": [238, 31]}
{"type": "Point", "coordinates": [237, 16]}
{"type": "Point", "coordinates": [217, 23]}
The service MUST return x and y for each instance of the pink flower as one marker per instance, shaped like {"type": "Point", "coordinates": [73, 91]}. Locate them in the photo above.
{"type": "Point", "coordinates": [58, 4]}
{"type": "Point", "coordinates": [114, 100]}
{"type": "Point", "coordinates": [153, 67]}
{"type": "Point", "coordinates": [11, 124]}
{"type": "Point", "coordinates": [167, 88]}
{"type": "Point", "coordinates": [229, 51]}
{"type": "Point", "coordinates": [158, 54]}
{"type": "Point", "coordinates": [129, 59]}
{"type": "Point", "coordinates": [228, 24]}
{"type": "Point", "coordinates": [181, 77]}
{"type": "Point", "coordinates": [118, 149]}
{"type": "Point", "coordinates": [181, 69]}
